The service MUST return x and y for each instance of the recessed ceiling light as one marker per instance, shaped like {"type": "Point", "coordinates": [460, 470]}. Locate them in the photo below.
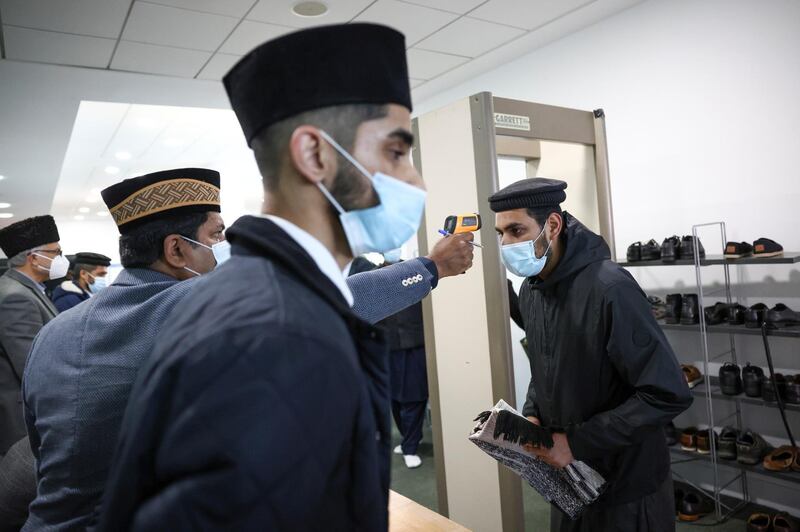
{"type": "Point", "coordinates": [78, 217]}
{"type": "Point", "coordinates": [83, 209]}
{"type": "Point", "coordinates": [123, 155]}
{"type": "Point", "coordinates": [113, 170]}
{"type": "Point", "coordinates": [102, 213]}
{"type": "Point", "coordinates": [2, 177]}
{"type": "Point", "coordinates": [310, 9]}
{"type": "Point", "coordinates": [6, 215]}
{"type": "Point", "coordinates": [5, 205]}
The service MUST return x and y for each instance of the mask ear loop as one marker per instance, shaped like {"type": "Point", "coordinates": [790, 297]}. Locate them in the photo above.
{"type": "Point", "coordinates": [347, 156]}
{"type": "Point", "coordinates": [549, 243]}
{"type": "Point", "coordinates": [344, 153]}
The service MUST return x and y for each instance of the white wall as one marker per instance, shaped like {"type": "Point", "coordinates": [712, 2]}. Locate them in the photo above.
{"type": "Point", "coordinates": [701, 105]}
{"type": "Point", "coordinates": [703, 120]}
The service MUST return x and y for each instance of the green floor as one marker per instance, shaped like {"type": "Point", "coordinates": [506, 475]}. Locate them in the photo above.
{"type": "Point", "coordinates": [420, 485]}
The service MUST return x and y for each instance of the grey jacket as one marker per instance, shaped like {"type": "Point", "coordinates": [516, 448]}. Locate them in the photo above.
{"type": "Point", "coordinates": [24, 309]}
{"type": "Point", "coordinates": [83, 365]}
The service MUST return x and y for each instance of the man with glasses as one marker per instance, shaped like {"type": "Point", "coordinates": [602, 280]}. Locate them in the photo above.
{"type": "Point", "coordinates": [34, 257]}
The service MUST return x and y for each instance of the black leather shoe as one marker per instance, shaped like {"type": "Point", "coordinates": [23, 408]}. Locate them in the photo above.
{"type": "Point", "coordinates": [793, 390]}
{"type": "Point", "coordinates": [693, 507]}
{"type": "Point", "coordinates": [751, 378]}
{"type": "Point", "coordinates": [750, 448]}
{"type": "Point", "coordinates": [689, 313]}
{"type": "Point", "coordinates": [768, 390]}
{"type": "Point", "coordinates": [651, 250]}
{"type": "Point", "coordinates": [737, 250]}
{"type": "Point", "coordinates": [673, 310]}
{"type": "Point", "coordinates": [716, 314]}
{"type": "Point", "coordinates": [686, 251]}
{"type": "Point", "coordinates": [727, 443]}
{"type": "Point", "coordinates": [781, 316]}
{"type": "Point", "coordinates": [736, 314]}
{"type": "Point", "coordinates": [670, 248]}
{"type": "Point", "coordinates": [634, 252]}
{"type": "Point", "coordinates": [730, 381]}
{"type": "Point", "coordinates": [754, 316]}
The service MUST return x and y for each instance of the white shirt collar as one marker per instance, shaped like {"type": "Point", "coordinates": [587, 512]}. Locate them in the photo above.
{"type": "Point", "coordinates": [322, 257]}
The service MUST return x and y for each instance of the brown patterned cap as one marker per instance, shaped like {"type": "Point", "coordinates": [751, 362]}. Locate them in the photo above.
{"type": "Point", "coordinates": [145, 198]}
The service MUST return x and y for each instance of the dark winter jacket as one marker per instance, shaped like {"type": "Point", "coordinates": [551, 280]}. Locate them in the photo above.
{"type": "Point", "coordinates": [67, 295]}
{"type": "Point", "coordinates": [601, 366]}
{"type": "Point", "coordinates": [264, 406]}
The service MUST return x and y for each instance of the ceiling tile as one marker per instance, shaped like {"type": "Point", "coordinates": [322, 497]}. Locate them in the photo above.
{"type": "Point", "coordinates": [416, 22]}
{"type": "Point", "coordinates": [454, 6]}
{"type": "Point", "coordinates": [280, 12]}
{"type": "Point", "coordinates": [416, 82]}
{"type": "Point", "coordinates": [231, 8]}
{"type": "Point", "coordinates": [151, 59]}
{"type": "Point", "coordinates": [100, 18]}
{"type": "Point", "coordinates": [427, 65]}
{"type": "Point", "coordinates": [470, 37]}
{"type": "Point", "coordinates": [154, 24]}
{"type": "Point", "coordinates": [250, 34]}
{"type": "Point", "coordinates": [219, 65]}
{"type": "Point", "coordinates": [59, 48]}
{"type": "Point", "coordinates": [527, 14]}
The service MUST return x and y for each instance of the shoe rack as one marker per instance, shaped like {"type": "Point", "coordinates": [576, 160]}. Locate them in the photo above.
{"type": "Point", "coordinates": [725, 506]}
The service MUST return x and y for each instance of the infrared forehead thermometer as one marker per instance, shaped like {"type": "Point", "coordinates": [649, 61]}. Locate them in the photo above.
{"type": "Point", "coordinates": [462, 223]}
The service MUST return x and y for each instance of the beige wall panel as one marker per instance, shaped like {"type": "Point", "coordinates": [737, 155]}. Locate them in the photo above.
{"type": "Point", "coordinates": [575, 164]}
{"type": "Point", "coordinates": [458, 305]}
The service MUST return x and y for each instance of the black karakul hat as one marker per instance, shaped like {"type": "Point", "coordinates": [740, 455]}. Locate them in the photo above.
{"type": "Point", "coordinates": [27, 234]}
{"type": "Point", "coordinates": [531, 193]}
{"type": "Point", "coordinates": [91, 259]}
{"type": "Point", "coordinates": [142, 199]}
{"type": "Point", "coordinates": [316, 68]}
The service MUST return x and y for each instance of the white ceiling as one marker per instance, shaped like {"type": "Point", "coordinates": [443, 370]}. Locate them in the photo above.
{"type": "Point", "coordinates": [203, 38]}
{"type": "Point", "coordinates": [115, 141]}
{"type": "Point", "coordinates": [173, 52]}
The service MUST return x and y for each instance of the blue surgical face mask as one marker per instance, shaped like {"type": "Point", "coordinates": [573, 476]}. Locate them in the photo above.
{"type": "Point", "coordinates": [387, 225]}
{"type": "Point", "coordinates": [392, 256]}
{"type": "Point", "coordinates": [100, 283]}
{"type": "Point", "coordinates": [221, 251]}
{"type": "Point", "coordinates": [521, 260]}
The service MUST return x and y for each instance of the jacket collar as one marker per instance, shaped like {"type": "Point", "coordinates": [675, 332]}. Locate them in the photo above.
{"type": "Point", "coordinates": [140, 276]}
{"type": "Point", "coordinates": [30, 284]}
{"type": "Point", "coordinates": [72, 287]}
{"type": "Point", "coordinates": [260, 236]}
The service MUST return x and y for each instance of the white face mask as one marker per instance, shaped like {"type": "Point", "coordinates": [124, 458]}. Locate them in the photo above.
{"type": "Point", "coordinates": [59, 266]}
{"type": "Point", "coordinates": [221, 251]}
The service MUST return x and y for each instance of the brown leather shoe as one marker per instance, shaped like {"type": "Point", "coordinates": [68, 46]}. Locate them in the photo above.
{"type": "Point", "coordinates": [781, 459]}
{"type": "Point", "coordinates": [704, 441]}
{"type": "Point", "coordinates": [692, 375]}
{"type": "Point", "coordinates": [758, 522]}
{"type": "Point", "coordinates": [783, 523]}
{"type": "Point", "coordinates": [689, 439]}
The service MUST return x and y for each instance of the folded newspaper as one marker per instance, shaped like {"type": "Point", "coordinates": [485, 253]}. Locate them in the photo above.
{"type": "Point", "coordinates": [502, 432]}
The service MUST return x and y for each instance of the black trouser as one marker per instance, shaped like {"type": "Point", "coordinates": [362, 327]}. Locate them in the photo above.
{"type": "Point", "coordinates": [652, 513]}
{"type": "Point", "coordinates": [409, 417]}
